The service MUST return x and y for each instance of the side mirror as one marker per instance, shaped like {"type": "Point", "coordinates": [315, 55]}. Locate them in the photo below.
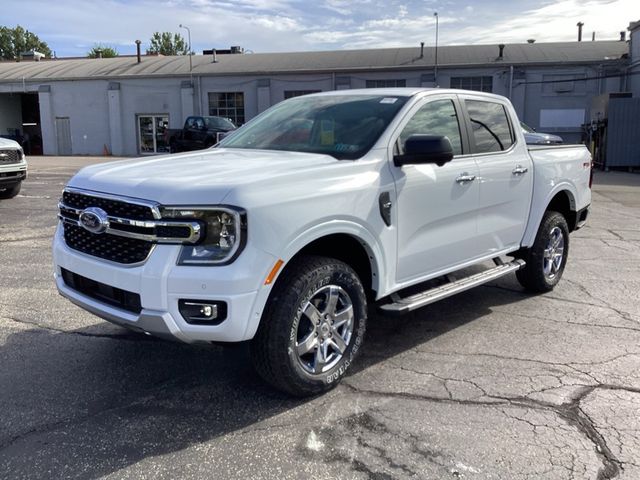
{"type": "Point", "coordinates": [420, 149]}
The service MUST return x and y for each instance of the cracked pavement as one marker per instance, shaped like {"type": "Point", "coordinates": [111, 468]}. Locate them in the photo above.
{"type": "Point", "coordinates": [491, 384]}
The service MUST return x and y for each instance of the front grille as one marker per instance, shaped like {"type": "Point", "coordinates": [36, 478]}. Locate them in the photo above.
{"type": "Point", "coordinates": [115, 208]}
{"type": "Point", "coordinates": [102, 292]}
{"type": "Point", "coordinates": [128, 231]}
{"type": "Point", "coordinates": [8, 156]}
{"type": "Point", "coordinates": [109, 247]}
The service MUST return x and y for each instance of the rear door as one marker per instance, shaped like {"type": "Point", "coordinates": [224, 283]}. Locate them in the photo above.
{"type": "Point", "coordinates": [437, 206]}
{"type": "Point", "coordinates": [506, 176]}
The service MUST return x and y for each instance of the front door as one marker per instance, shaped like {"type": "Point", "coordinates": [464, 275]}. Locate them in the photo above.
{"type": "Point", "coordinates": [152, 134]}
{"type": "Point", "coordinates": [437, 206]}
{"type": "Point", "coordinates": [63, 135]}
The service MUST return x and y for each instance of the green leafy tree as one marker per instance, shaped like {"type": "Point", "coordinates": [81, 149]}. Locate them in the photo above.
{"type": "Point", "coordinates": [167, 43]}
{"type": "Point", "coordinates": [103, 51]}
{"type": "Point", "coordinates": [15, 41]}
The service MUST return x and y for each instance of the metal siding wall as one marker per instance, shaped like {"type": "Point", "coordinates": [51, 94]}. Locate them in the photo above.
{"type": "Point", "coordinates": [623, 133]}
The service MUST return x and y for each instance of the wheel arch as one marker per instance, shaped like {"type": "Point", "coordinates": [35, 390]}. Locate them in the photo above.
{"type": "Point", "coordinates": [565, 203]}
{"type": "Point", "coordinates": [561, 199]}
{"type": "Point", "coordinates": [345, 241]}
{"type": "Point", "coordinates": [349, 249]}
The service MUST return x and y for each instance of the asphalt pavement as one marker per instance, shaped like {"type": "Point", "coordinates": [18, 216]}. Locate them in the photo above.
{"type": "Point", "coordinates": [494, 383]}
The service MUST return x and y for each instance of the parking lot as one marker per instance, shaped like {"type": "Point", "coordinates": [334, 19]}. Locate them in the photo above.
{"type": "Point", "coordinates": [491, 384]}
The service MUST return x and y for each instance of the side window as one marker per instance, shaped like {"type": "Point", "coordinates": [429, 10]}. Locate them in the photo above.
{"type": "Point", "coordinates": [435, 118]}
{"type": "Point", "coordinates": [191, 123]}
{"type": "Point", "coordinates": [490, 126]}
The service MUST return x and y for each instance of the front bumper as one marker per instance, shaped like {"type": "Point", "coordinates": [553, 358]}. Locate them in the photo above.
{"type": "Point", "coordinates": [12, 174]}
{"type": "Point", "coordinates": [161, 284]}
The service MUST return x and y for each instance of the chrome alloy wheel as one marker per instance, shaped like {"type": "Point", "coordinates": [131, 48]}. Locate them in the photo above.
{"type": "Point", "coordinates": [553, 253]}
{"type": "Point", "coordinates": [325, 329]}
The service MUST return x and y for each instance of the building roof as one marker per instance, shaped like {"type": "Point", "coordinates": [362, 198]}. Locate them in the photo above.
{"type": "Point", "coordinates": [337, 61]}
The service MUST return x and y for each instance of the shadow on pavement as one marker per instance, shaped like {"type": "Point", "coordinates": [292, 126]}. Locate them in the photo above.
{"type": "Point", "coordinates": [90, 402]}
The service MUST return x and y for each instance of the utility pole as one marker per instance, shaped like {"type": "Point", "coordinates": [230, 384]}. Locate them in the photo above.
{"type": "Point", "coordinates": [435, 70]}
{"type": "Point", "coordinates": [190, 63]}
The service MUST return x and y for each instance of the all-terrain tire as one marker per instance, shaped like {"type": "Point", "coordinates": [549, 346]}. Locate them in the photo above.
{"type": "Point", "coordinates": [547, 256]}
{"type": "Point", "coordinates": [10, 192]}
{"type": "Point", "coordinates": [313, 296]}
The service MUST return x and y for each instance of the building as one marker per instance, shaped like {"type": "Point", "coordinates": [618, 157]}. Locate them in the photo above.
{"type": "Point", "coordinates": [124, 105]}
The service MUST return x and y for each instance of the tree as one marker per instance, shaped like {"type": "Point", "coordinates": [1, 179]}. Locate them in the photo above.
{"type": "Point", "coordinates": [103, 51]}
{"type": "Point", "coordinates": [15, 41]}
{"type": "Point", "coordinates": [166, 43]}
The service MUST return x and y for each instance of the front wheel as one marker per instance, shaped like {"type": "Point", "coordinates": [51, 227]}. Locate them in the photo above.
{"type": "Point", "coordinates": [11, 191]}
{"type": "Point", "coordinates": [547, 256]}
{"type": "Point", "coordinates": [312, 328]}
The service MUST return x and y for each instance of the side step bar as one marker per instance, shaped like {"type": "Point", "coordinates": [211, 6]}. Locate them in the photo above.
{"type": "Point", "coordinates": [404, 305]}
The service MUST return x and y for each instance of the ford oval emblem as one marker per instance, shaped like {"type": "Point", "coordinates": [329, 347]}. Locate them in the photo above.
{"type": "Point", "coordinates": [94, 219]}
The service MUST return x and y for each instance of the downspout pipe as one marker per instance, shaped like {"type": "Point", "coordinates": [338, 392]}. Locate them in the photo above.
{"type": "Point", "coordinates": [510, 81]}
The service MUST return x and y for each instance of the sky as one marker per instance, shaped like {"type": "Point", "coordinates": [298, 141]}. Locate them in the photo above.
{"type": "Point", "coordinates": [73, 27]}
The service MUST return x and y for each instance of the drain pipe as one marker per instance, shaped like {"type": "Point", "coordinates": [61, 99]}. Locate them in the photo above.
{"type": "Point", "coordinates": [510, 81]}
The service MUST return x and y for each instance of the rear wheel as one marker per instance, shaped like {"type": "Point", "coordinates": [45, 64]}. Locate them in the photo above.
{"type": "Point", "coordinates": [547, 257]}
{"type": "Point", "coordinates": [312, 328]}
{"type": "Point", "coordinates": [11, 191]}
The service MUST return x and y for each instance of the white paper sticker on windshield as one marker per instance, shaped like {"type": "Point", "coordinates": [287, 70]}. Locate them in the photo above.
{"type": "Point", "coordinates": [389, 100]}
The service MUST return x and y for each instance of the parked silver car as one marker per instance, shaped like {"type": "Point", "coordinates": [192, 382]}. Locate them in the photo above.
{"type": "Point", "coordinates": [537, 138]}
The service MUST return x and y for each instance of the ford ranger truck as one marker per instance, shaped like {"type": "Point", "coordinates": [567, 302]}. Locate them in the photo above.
{"type": "Point", "coordinates": [290, 228]}
{"type": "Point", "coordinates": [13, 168]}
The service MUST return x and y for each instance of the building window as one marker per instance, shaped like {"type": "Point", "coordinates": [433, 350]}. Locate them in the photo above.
{"type": "Point", "coordinates": [479, 84]}
{"type": "Point", "coordinates": [298, 93]}
{"type": "Point", "coordinates": [228, 105]}
{"type": "Point", "coordinates": [152, 134]}
{"type": "Point", "coordinates": [386, 83]}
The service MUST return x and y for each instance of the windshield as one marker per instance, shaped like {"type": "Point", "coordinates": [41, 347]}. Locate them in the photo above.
{"type": "Point", "coordinates": [219, 122]}
{"type": "Point", "coordinates": [343, 126]}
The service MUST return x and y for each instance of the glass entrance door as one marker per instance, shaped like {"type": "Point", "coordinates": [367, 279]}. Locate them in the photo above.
{"type": "Point", "coordinates": [152, 134]}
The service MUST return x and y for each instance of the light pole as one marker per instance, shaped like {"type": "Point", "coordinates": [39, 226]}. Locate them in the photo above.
{"type": "Point", "coordinates": [435, 69]}
{"type": "Point", "coordinates": [189, 36]}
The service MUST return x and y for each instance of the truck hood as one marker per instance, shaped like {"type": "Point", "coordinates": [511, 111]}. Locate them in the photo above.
{"type": "Point", "coordinates": [6, 143]}
{"type": "Point", "coordinates": [203, 177]}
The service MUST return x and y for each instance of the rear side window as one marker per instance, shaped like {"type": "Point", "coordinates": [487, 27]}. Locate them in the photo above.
{"type": "Point", "coordinates": [435, 118]}
{"type": "Point", "coordinates": [490, 126]}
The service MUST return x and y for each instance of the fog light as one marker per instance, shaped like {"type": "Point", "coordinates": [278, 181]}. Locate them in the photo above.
{"type": "Point", "coordinates": [202, 312]}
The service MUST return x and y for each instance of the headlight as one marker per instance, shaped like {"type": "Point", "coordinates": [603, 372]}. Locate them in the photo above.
{"type": "Point", "coordinates": [225, 233]}
{"type": "Point", "coordinates": [20, 154]}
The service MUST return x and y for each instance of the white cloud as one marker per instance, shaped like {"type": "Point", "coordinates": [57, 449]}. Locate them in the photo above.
{"type": "Point", "coordinates": [554, 22]}
{"type": "Point", "coordinates": [69, 26]}
{"type": "Point", "coordinates": [278, 23]}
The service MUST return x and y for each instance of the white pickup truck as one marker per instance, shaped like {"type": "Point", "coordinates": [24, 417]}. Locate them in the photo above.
{"type": "Point", "coordinates": [286, 231]}
{"type": "Point", "coordinates": [13, 168]}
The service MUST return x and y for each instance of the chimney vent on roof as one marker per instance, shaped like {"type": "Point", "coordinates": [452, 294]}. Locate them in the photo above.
{"type": "Point", "coordinates": [215, 56]}
{"type": "Point", "coordinates": [531, 40]}
{"type": "Point", "coordinates": [138, 42]}
{"type": "Point", "coordinates": [501, 51]}
{"type": "Point", "coordinates": [593, 36]}
{"type": "Point", "coordinates": [579, 25]}
{"type": "Point", "coordinates": [623, 36]}
{"type": "Point", "coordinates": [421, 49]}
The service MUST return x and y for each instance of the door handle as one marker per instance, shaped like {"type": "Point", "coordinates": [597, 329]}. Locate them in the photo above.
{"type": "Point", "coordinates": [465, 178]}
{"type": "Point", "coordinates": [520, 170]}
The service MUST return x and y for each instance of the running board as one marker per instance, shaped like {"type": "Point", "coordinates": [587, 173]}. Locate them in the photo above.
{"type": "Point", "coordinates": [404, 305]}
